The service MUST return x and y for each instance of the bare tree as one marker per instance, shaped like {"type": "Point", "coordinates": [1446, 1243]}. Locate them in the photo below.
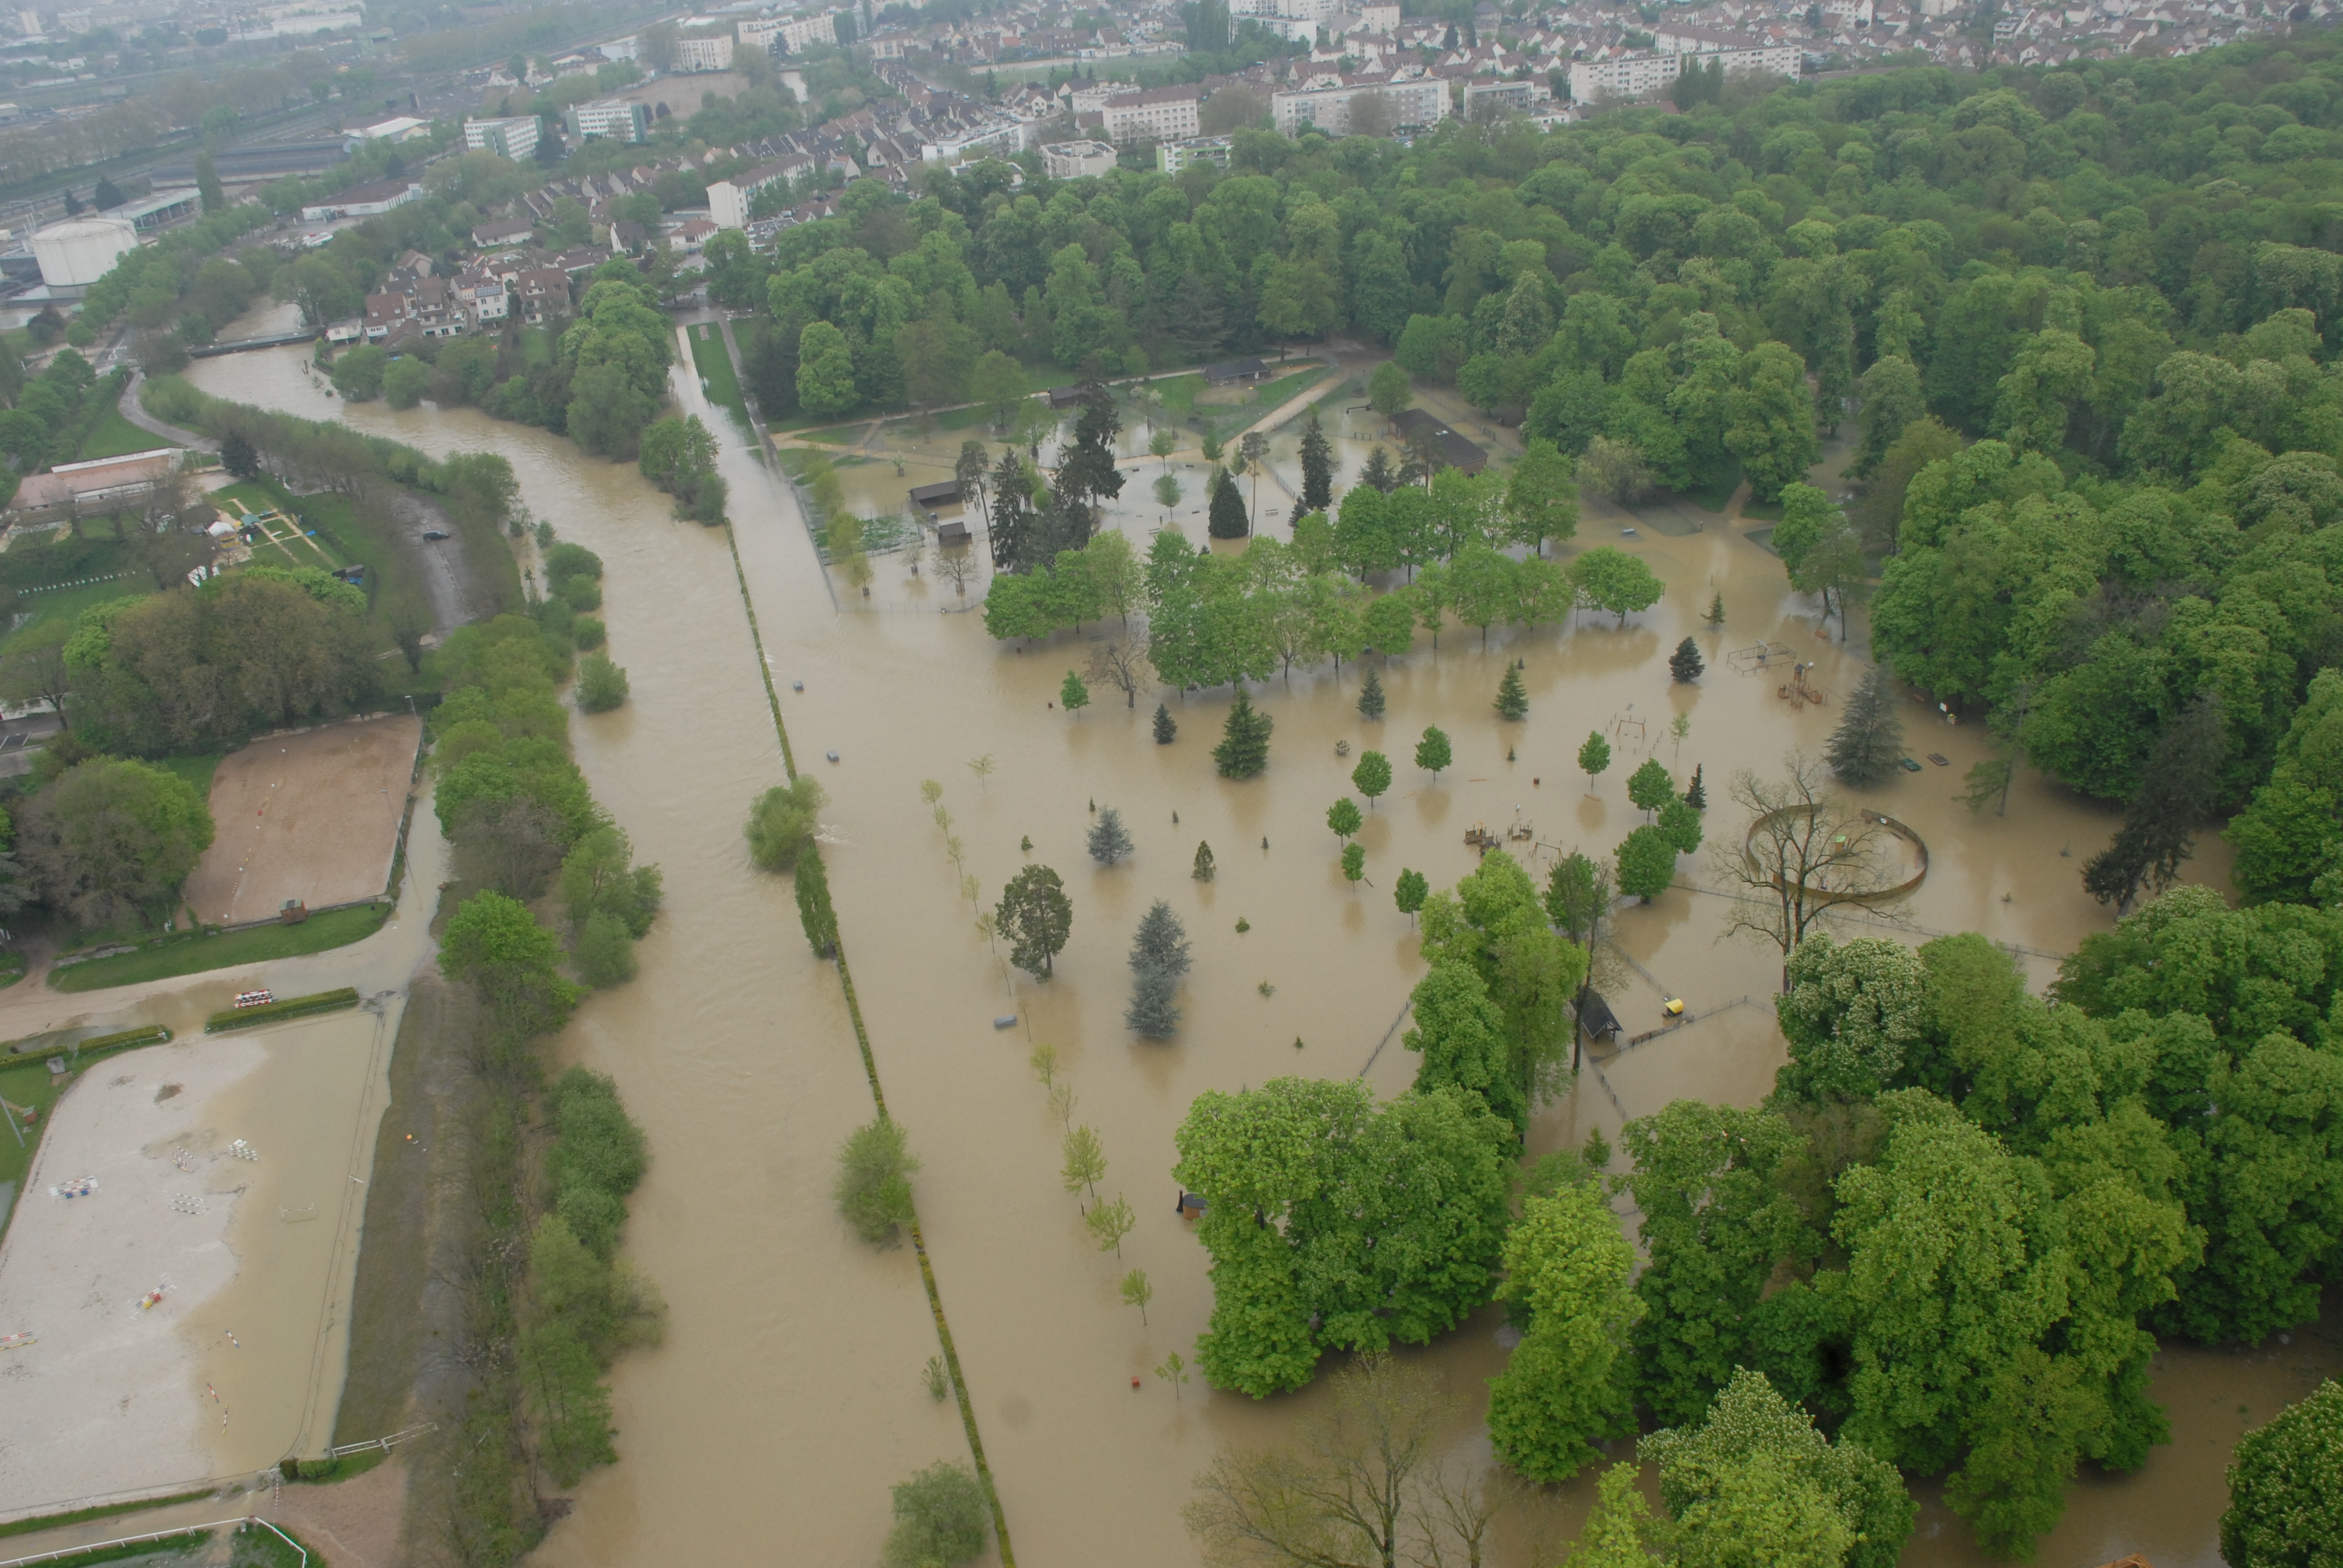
{"type": "Point", "coordinates": [1121, 665]}
{"type": "Point", "coordinates": [1805, 853]}
{"type": "Point", "coordinates": [954, 565]}
{"type": "Point", "coordinates": [1365, 1490]}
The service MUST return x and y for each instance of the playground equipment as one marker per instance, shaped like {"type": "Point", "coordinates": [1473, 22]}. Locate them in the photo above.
{"type": "Point", "coordinates": [1759, 656]}
{"type": "Point", "coordinates": [1799, 690]}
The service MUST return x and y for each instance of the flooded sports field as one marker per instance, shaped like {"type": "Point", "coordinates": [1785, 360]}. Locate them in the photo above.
{"type": "Point", "coordinates": [788, 1395]}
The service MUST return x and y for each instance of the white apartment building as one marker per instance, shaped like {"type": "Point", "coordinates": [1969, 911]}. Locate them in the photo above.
{"type": "Point", "coordinates": [995, 139]}
{"type": "Point", "coordinates": [611, 117]}
{"type": "Point", "coordinates": [799, 33]}
{"type": "Point", "coordinates": [759, 32]}
{"type": "Point", "coordinates": [1160, 115]}
{"type": "Point", "coordinates": [1422, 101]}
{"type": "Point", "coordinates": [1286, 18]}
{"type": "Point", "coordinates": [1633, 75]}
{"type": "Point", "coordinates": [1076, 160]}
{"type": "Point", "coordinates": [1513, 97]}
{"type": "Point", "coordinates": [1173, 156]}
{"type": "Point", "coordinates": [729, 200]}
{"type": "Point", "coordinates": [696, 55]}
{"type": "Point", "coordinates": [1090, 97]}
{"type": "Point", "coordinates": [514, 138]}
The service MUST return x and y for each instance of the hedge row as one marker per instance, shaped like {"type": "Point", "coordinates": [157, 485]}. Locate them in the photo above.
{"type": "Point", "coordinates": [276, 1011]}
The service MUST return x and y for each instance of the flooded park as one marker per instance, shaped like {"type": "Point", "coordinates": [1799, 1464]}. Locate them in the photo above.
{"type": "Point", "coordinates": [788, 1395]}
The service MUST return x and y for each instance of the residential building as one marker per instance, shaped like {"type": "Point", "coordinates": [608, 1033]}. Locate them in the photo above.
{"type": "Point", "coordinates": [1496, 96]}
{"type": "Point", "coordinates": [1173, 156]}
{"type": "Point", "coordinates": [541, 291]}
{"type": "Point", "coordinates": [503, 231]}
{"type": "Point", "coordinates": [514, 138]}
{"type": "Point", "coordinates": [1076, 160]}
{"type": "Point", "coordinates": [759, 32]}
{"type": "Point", "coordinates": [1158, 115]}
{"type": "Point", "coordinates": [1418, 101]}
{"type": "Point", "coordinates": [1633, 75]}
{"type": "Point", "coordinates": [729, 201]}
{"type": "Point", "coordinates": [994, 139]}
{"type": "Point", "coordinates": [610, 118]}
{"type": "Point", "coordinates": [384, 311]}
{"type": "Point", "coordinates": [802, 33]}
{"type": "Point", "coordinates": [691, 236]}
{"type": "Point", "coordinates": [696, 55]}
{"type": "Point", "coordinates": [438, 310]}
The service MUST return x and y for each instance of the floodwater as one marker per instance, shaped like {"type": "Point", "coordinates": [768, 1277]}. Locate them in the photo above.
{"type": "Point", "coordinates": [788, 1395]}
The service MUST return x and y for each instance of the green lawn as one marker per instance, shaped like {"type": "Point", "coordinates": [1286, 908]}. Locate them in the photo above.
{"type": "Point", "coordinates": [111, 435]}
{"type": "Point", "coordinates": [714, 367]}
{"type": "Point", "coordinates": [25, 1082]}
{"type": "Point", "coordinates": [66, 605]}
{"type": "Point", "coordinates": [260, 495]}
{"type": "Point", "coordinates": [197, 770]}
{"type": "Point", "coordinates": [1270, 394]}
{"type": "Point", "coordinates": [1712, 498]}
{"type": "Point", "coordinates": [1178, 392]}
{"type": "Point", "coordinates": [1766, 511]}
{"type": "Point", "coordinates": [194, 954]}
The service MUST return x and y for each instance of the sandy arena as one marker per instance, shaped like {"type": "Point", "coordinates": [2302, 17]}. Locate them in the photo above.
{"type": "Point", "coordinates": [239, 1361]}
{"type": "Point", "coordinates": [313, 816]}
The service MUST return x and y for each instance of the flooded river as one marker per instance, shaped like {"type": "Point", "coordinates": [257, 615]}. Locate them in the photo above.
{"type": "Point", "coordinates": [788, 1396]}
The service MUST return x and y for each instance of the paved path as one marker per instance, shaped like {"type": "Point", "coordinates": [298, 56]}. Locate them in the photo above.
{"type": "Point", "coordinates": [137, 416]}
{"type": "Point", "coordinates": [1291, 407]}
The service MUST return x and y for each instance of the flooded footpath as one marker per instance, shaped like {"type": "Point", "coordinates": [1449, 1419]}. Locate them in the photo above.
{"type": "Point", "coordinates": [788, 1396]}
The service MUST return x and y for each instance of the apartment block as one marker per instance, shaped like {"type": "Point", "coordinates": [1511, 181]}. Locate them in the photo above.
{"type": "Point", "coordinates": [1421, 101]}
{"type": "Point", "coordinates": [514, 138]}
{"type": "Point", "coordinates": [611, 120]}
{"type": "Point", "coordinates": [1160, 115]}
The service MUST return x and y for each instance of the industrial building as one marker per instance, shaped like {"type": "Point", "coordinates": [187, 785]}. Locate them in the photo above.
{"type": "Point", "coordinates": [79, 251]}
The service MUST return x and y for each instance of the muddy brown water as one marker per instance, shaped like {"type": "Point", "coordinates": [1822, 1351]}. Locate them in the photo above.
{"type": "Point", "coordinates": [788, 1395]}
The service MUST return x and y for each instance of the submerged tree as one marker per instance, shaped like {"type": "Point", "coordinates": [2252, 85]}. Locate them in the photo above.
{"type": "Point", "coordinates": [1159, 958]}
{"type": "Point", "coordinates": [1685, 663]}
{"type": "Point", "coordinates": [873, 1186]}
{"type": "Point", "coordinates": [1513, 700]}
{"type": "Point", "coordinates": [1567, 1385]}
{"type": "Point", "coordinates": [1805, 851]}
{"type": "Point", "coordinates": [1432, 752]}
{"type": "Point", "coordinates": [1317, 465]}
{"type": "Point", "coordinates": [1869, 745]}
{"type": "Point", "coordinates": [1166, 727]}
{"type": "Point", "coordinates": [1036, 916]}
{"type": "Point", "coordinates": [1371, 777]}
{"type": "Point", "coordinates": [1109, 841]}
{"type": "Point", "coordinates": [1371, 697]}
{"type": "Point", "coordinates": [1202, 871]}
{"type": "Point", "coordinates": [2178, 789]}
{"type": "Point", "coordinates": [1244, 750]}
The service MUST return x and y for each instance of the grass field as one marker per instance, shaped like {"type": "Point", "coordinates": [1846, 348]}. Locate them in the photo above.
{"type": "Point", "coordinates": [197, 770]}
{"type": "Point", "coordinates": [66, 605]}
{"type": "Point", "coordinates": [24, 1082]}
{"type": "Point", "coordinates": [111, 435]}
{"type": "Point", "coordinates": [195, 954]}
{"type": "Point", "coordinates": [716, 374]}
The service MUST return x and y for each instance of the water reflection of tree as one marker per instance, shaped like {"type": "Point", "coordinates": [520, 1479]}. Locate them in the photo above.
{"type": "Point", "coordinates": [1805, 852]}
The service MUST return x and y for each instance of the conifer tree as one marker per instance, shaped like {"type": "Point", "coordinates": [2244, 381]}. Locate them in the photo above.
{"type": "Point", "coordinates": [1698, 795]}
{"type": "Point", "coordinates": [1161, 943]}
{"type": "Point", "coordinates": [1073, 694]}
{"type": "Point", "coordinates": [1513, 700]}
{"type": "Point", "coordinates": [1378, 471]}
{"type": "Point", "coordinates": [1869, 740]}
{"type": "Point", "coordinates": [1686, 664]}
{"type": "Point", "coordinates": [1165, 726]}
{"type": "Point", "coordinates": [1109, 841]}
{"type": "Point", "coordinates": [1371, 697]}
{"type": "Point", "coordinates": [1226, 520]}
{"type": "Point", "coordinates": [1204, 869]}
{"type": "Point", "coordinates": [1317, 466]}
{"type": "Point", "coordinates": [1244, 750]}
{"type": "Point", "coordinates": [1715, 613]}
{"type": "Point", "coordinates": [1158, 957]}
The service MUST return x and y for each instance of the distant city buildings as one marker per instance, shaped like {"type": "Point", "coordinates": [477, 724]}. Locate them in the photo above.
{"type": "Point", "coordinates": [1332, 107]}
{"type": "Point", "coordinates": [610, 118]}
{"type": "Point", "coordinates": [1172, 157]}
{"type": "Point", "coordinates": [1076, 160]}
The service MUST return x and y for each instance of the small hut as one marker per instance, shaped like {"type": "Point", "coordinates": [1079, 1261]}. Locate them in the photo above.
{"type": "Point", "coordinates": [1595, 1017]}
{"type": "Point", "coordinates": [932, 498]}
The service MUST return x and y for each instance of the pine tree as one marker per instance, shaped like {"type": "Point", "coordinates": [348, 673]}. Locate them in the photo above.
{"type": "Point", "coordinates": [1716, 615]}
{"type": "Point", "coordinates": [1203, 872]}
{"type": "Point", "coordinates": [1244, 750]}
{"type": "Point", "coordinates": [1073, 693]}
{"type": "Point", "coordinates": [1378, 472]}
{"type": "Point", "coordinates": [1158, 957]}
{"type": "Point", "coordinates": [1371, 697]}
{"type": "Point", "coordinates": [1152, 1013]}
{"type": "Point", "coordinates": [1686, 664]}
{"type": "Point", "coordinates": [1165, 726]}
{"type": "Point", "coordinates": [1110, 841]}
{"type": "Point", "coordinates": [1513, 700]}
{"type": "Point", "coordinates": [1698, 795]}
{"type": "Point", "coordinates": [1317, 466]}
{"type": "Point", "coordinates": [1161, 943]}
{"type": "Point", "coordinates": [1869, 740]}
{"type": "Point", "coordinates": [1226, 520]}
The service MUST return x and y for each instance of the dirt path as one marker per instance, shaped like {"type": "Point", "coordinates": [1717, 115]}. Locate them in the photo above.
{"type": "Point", "coordinates": [137, 414]}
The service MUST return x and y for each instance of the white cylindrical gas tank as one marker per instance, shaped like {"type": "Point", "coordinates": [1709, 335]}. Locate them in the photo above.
{"type": "Point", "coordinates": [79, 251]}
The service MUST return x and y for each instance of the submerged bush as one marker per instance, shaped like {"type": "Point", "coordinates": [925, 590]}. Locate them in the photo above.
{"type": "Point", "coordinates": [874, 1180]}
